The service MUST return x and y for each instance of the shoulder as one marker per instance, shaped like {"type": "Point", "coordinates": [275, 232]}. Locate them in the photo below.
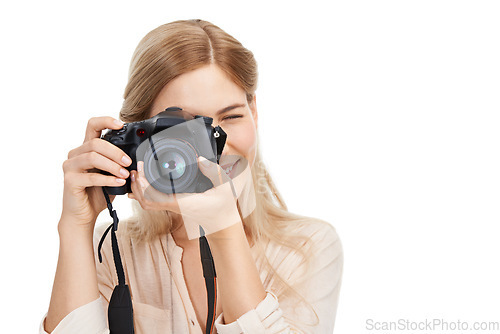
{"type": "Point", "coordinates": [325, 259]}
{"type": "Point", "coordinates": [313, 246]}
{"type": "Point", "coordinates": [323, 249]}
{"type": "Point", "coordinates": [320, 233]}
{"type": "Point", "coordinates": [304, 233]}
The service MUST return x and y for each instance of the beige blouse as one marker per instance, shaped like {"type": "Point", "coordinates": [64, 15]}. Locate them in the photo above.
{"type": "Point", "coordinates": [160, 297]}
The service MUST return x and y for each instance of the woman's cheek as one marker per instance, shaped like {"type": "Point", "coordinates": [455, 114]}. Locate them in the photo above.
{"type": "Point", "coordinates": [243, 139]}
{"type": "Point", "coordinates": [248, 136]}
{"type": "Point", "coordinates": [248, 142]}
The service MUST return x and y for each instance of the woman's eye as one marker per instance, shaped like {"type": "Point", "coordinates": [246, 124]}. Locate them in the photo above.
{"type": "Point", "coordinates": [232, 117]}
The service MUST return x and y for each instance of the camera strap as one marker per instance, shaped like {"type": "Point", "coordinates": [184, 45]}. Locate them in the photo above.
{"type": "Point", "coordinates": [120, 311]}
{"type": "Point", "coordinates": [210, 281]}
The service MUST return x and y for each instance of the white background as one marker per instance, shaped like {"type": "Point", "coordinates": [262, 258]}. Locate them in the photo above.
{"type": "Point", "coordinates": [380, 117]}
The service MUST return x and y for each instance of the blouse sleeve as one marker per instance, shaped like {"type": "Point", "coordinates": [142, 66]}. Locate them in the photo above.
{"type": "Point", "coordinates": [320, 289]}
{"type": "Point", "coordinates": [92, 317]}
{"type": "Point", "coordinates": [86, 319]}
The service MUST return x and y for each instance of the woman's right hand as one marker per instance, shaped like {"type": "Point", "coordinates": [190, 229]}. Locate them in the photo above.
{"type": "Point", "coordinates": [83, 198]}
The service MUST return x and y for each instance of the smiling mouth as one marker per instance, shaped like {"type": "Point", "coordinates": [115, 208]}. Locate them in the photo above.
{"type": "Point", "coordinates": [230, 168]}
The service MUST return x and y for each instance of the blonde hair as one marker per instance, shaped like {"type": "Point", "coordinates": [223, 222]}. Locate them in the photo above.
{"type": "Point", "coordinates": [176, 48]}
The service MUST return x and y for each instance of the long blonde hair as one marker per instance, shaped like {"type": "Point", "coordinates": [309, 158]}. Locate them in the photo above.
{"type": "Point", "coordinates": [176, 48]}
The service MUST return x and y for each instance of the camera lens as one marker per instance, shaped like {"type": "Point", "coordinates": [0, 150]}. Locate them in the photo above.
{"type": "Point", "coordinates": [172, 162]}
{"type": "Point", "coordinates": [170, 165]}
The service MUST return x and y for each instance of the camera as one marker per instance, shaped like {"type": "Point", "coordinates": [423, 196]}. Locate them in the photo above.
{"type": "Point", "coordinates": [169, 144]}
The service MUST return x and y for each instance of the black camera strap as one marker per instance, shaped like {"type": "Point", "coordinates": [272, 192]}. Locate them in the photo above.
{"type": "Point", "coordinates": [210, 281]}
{"type": "Point", "coordinates": [120, 312]}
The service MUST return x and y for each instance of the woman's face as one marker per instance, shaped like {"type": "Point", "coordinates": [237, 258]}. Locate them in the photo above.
{"type": "Point", "coordinates": [208, 91]}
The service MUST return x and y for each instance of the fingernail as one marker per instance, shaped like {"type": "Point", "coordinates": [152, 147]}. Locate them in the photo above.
{"type": "Point", "coordinates": [132, 177]}
{"type": "Point", "coordinates": [204, 162]}
{"type": "Point", "coordinates": [126, 160]}
{"type": "Point", "coordinates": [121, 181]}
{"type": "Point", "coordinates": [124, 172]}
{"type": "Point", "coordinates": [118, 122]}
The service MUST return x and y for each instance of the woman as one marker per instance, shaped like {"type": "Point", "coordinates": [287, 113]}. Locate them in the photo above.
{"type": "Point", "coordinates": [276, 271]}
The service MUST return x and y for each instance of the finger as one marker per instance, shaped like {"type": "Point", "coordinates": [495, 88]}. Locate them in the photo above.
{"type": "Point", "coordinates": [97, 124]}
{"type": "Point", "coordinates": [245, 192]}
{"type": "Point", "coordinates": [242, 177]}
{"type": "Point", "coordinates": [213, 171]}
{"type": "Point", "coordinates": [137, 191]}
{"type": "Point", "coordinates": [148, 197]}
{"type": "Point", "coordinates": [142, 180]}
{"type": "Point", "coordinates": [91, 160]}
{"type": "Point", "coordinates": [150, 193]}
{"type": "Point", "coordinates": [104, 148]}
{"type": "Point", "coordinates": [83, 180]}
{"type": "Point", "coordinates": [139, 185]}
{"type": "Point", "coordinates": [141, 177]}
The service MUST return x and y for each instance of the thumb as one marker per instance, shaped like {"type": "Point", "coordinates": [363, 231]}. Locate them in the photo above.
{"type": "Point", "coordinates": [213, 171]}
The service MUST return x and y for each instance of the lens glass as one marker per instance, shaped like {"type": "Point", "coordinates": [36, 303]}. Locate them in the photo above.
{"type": "Point", "coordinates": [173, 163]}
{"type": "Point", "coordinates": [170, 165]}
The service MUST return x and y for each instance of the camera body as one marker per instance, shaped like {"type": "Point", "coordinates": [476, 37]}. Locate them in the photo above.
{"type": "Point", "coordinates": [169, 144]}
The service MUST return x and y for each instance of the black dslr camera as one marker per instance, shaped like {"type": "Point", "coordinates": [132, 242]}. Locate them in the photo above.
{"type": "Point", "coordinates": [169, 144]}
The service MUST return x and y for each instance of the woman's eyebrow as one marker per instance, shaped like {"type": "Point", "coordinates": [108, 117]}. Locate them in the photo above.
{"type": "Point", "coordinates": [229, 108]}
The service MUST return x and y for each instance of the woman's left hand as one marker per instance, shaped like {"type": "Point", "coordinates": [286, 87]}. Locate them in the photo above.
{"type": "Point", "coordinates": [214, 209]}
